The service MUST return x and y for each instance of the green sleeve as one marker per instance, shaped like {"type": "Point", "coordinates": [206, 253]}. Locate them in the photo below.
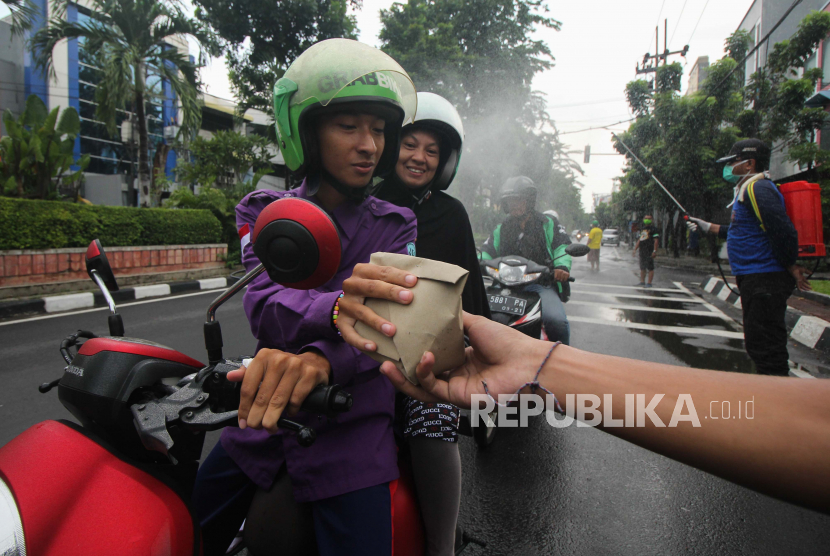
{"type": "Point", "coordinates": [490, 248]}
{"type": "Point", "coordinates": [557, 241]}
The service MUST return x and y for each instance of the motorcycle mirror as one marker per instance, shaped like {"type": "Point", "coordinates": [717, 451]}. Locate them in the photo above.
{"type": "Point", "coordinates": [96, 260]}
{"type": "Point", "coordinates": [297, 243]}
{"type": "Point", "coordinates": [577, 249]}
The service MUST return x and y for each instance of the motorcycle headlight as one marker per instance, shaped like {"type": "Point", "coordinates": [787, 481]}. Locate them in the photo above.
{"type": "Point", "coordinates": [12, 542]}
{"type": "Point", "coordinates": [493, 272]}
{"type": "Point", "coordinates": [531, 277]}
{"type": "Point", "coordinates": [511, 274]}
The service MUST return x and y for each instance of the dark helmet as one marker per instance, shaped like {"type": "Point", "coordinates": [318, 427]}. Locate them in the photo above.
{"type": "Point", "coordinates": [519, 187]}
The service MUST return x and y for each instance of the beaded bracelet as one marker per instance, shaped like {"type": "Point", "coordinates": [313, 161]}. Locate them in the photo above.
{"type": "Point", "coordinates": [335, 313]}
{"type": "Point", "coordinates": [534, 384]}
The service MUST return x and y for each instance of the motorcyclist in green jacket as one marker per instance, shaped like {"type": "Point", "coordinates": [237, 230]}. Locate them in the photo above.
{"type": "Point", "coordinates": [540, 238]}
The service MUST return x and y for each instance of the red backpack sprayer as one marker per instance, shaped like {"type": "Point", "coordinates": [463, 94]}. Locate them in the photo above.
{"type": "Point", "coordinates": [802, 201]}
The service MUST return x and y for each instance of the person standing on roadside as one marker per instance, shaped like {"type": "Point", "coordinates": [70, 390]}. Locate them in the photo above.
{"type": "Point", "coordinates": [594, 243]}
{"type": "Point", "coordinates": [763, 247]}
{"type": "Point", "coordinates": [647, 244]}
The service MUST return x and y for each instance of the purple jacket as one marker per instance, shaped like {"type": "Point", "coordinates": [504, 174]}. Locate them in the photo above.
{"type": "Point", "coordinates": [354, 450]}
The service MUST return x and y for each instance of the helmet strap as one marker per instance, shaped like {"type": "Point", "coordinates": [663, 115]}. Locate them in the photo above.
{"type": "Point", "coordinates": [356, 194]}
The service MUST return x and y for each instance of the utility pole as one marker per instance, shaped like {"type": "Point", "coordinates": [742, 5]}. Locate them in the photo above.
{"type": "Point", "coordinates": [651, 63]}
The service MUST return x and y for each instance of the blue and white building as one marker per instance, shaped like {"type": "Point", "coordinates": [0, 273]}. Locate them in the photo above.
{"type": "Point", "coordinates": [74, 84]}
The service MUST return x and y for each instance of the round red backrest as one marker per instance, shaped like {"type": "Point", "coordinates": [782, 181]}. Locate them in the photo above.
{"type": "Point", "coordinates": [315, 232]}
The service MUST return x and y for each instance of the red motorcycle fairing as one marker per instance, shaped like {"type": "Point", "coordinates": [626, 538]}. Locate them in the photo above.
{"type": "Point", "coordinates": [407, 528]}
{"type": "Point", "coordinates": [75, 497]}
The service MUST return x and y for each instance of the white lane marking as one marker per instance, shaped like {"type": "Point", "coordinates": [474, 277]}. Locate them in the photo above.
{"type": "Point", "coordinates": [808, 330]}
{"type": "Point", "coordinates": [661, 328]}
{"type": "Point", "coordinates": [155, 290]}
{"type": "Point", "coordinates": [580, 283]}
{"type": "Point", "coordinates": [653, 298]}
{"type": "Point", "coordinates": [643, 308]}
{"type": "Point", "coordinates": [213, 283]}
{"type": "Point", "coordinates": [169, 298]}
{"type": "Point", "coordinates": [68, 302]}
{"type": "Point", "coordinates": [706, 304]}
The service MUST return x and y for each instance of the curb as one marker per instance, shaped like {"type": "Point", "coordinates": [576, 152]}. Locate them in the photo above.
{"type": "Point", "coordinates": [814, 296]}
{"type": "Point", "coordinates": [73, 301]}
{"type": "Point", "coordinates": [807, 330]}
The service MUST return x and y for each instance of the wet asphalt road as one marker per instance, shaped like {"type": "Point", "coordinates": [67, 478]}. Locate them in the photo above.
{"type": "Point", "coordinates": [537, 490]}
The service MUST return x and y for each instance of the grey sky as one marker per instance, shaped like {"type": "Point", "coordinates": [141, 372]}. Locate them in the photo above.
{"type": "Point", "coordinates": [596, 52]}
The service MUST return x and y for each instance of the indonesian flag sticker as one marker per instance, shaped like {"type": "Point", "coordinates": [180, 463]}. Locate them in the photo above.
{"type": "Point", "coordinates": [245, 235]}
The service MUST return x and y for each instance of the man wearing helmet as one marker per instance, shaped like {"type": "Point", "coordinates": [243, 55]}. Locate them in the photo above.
{"type": "Point", "coordinates": [540, 238]}
{"type": "Point", "coordinates": [338, 112]}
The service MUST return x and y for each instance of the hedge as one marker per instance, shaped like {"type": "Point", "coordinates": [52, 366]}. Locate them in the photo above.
{"type": "Point", "coordinates": [26, 224]}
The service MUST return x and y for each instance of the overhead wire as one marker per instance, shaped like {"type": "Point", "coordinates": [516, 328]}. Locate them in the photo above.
{"type": "Point", "coordinates": [742, 63]}
{"type": "Point", "coordinates": [698, 22]}
{"type": "Point", "coordinates": [657, 22]}
{"type": "Point", "coordinates": [599, 127]}
{"type": "Point", "coordinates": [676, 25]}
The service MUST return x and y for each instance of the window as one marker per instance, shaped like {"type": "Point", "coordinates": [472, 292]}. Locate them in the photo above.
{"type": "Point", "coordinates": [825, 63]}
{"type": "Point", "coordinates": [752, 62]}
{"type": "Point", "coordinates": [107, 154]}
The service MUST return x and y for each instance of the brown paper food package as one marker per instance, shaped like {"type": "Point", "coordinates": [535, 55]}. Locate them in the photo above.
{"type": "Point", "coordinates": [432, 322]}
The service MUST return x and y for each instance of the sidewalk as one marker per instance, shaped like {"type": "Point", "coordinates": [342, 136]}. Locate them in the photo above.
{"type": "Point", "coordinates": [18, 308]}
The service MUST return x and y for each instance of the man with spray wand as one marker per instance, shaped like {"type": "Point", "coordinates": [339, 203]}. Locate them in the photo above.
{"type": "Point", "coordinates": [763, 246]}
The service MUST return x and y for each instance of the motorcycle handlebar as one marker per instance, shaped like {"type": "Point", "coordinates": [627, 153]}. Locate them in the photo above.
{"type": "Point", "coordinates": [327, 400]}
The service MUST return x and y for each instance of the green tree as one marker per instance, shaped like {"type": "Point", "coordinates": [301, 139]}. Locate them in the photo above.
{"type": "Point", "coordinates": [482, 56]}
{"type": "Point", "coordinates": [680, 137]}
{"type": "Point", "coordinates": [776, 93]}
{"type": "Point", "coordinates": [225, 160]}
{"type": "Point", "coordinates": [274, 33]}
{"type": "Point", "coordinates": [130, 38]}
{"type": "Point", "coordinates": [23, 14]}
{"type": "Point", "coordinates": [36, 155]}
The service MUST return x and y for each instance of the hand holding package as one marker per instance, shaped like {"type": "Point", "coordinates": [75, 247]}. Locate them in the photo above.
{"type": "Point", "coordinates": [432, 322]}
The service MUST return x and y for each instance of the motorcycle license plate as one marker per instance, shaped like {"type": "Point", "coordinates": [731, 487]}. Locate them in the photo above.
{"type": "Point", "coordinates": [504, 304]}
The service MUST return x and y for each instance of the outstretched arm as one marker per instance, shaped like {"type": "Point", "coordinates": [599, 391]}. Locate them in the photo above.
{"type": "Point", "coordinates": [781, 450]}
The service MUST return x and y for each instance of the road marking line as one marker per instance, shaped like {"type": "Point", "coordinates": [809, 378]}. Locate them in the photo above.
{"type": "Point", "coordinates": [694, 299]}
{"type": "Point", "coordinates": [648, 309]}
{"type": "Point", "coordinates": [706, 304]}
{"type": "Point", "coordinates": [168, 298]}
{"type": "Point", "coordinates": [661, 328]}
{"type": "Point", "coordinates": [578, 285]}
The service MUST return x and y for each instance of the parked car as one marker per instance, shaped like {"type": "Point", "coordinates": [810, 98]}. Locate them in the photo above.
{"type": "Point", "coordinates": [611, 236]}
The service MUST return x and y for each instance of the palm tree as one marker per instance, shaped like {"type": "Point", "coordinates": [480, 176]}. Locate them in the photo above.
{"type": "Point", "coordinates": [23, 14]}
{"type": "Point", "coordinates": [127, 37]}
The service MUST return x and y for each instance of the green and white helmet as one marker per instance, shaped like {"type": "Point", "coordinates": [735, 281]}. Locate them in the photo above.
{"type": "Point", "coordinates": [435, 113]}
{"type": "Point", "coordinates": [333, 73]}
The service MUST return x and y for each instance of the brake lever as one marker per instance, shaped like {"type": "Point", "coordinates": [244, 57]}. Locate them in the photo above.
{"type": "Point", "coordinates": [210, 402]}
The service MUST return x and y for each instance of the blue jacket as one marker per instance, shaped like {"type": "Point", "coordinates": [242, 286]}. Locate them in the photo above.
{"type": "Point", "coordinates": [761, 237]}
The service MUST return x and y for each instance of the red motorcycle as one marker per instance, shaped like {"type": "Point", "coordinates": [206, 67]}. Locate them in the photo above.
{"type": "Point", "coordinates": [120, 481]}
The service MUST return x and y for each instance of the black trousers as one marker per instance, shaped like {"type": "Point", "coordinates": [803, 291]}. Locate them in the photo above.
{"type": "Point", "coordinates": [764, 301]}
